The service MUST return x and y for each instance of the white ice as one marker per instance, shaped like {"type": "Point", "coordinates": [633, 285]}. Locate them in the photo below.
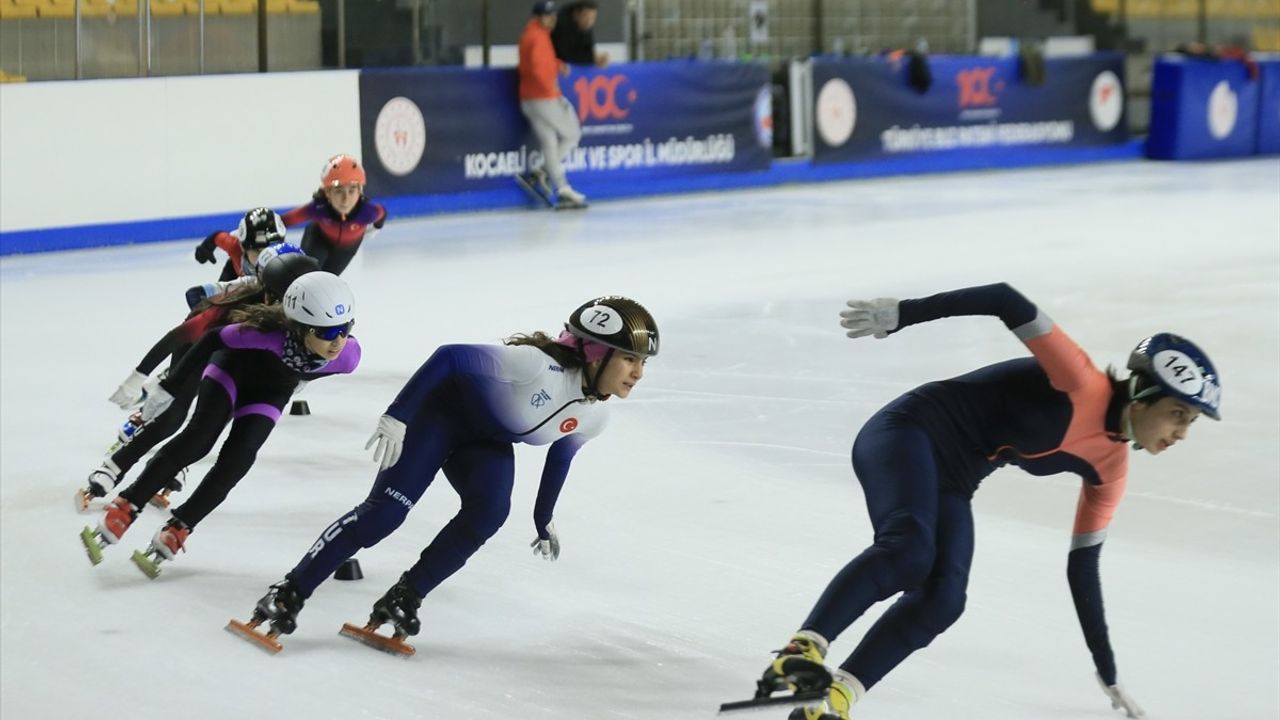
{"type": "Point", "coordinates": [699, 530]}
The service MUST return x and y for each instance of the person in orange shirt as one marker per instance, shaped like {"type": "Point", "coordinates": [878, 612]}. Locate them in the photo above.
{"type": "Point", "coordinates": [554, 121]}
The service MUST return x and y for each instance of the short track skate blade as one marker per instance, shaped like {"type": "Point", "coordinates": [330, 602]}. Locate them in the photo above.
{"type": "Point", "coordinates": [91, 545]}
{"type": "Point", "coordinates": [265, 641]}
{"type": "Point", "coordinates": [149, 567]}
{"type": "Point", "coordinates": [533, 192]}
{"type": "Point", "coordinates": [809, 697]}
{"type": "Point", "coordinates": [571, 206]}
{"type": "Point", "coordinates": [376, 641]}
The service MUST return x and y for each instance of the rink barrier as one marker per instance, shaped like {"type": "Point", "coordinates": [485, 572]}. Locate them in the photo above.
{"type": "Point", "coordinates": [782, 172]}
{"type": "Point", "coordinates": [869, 108]}
{"type": "Point", "coordinates": [1207, 109]}
{"type": "Point", "coordinates": [1269, 106]}
{"type": "Point", "coordinates": [175, 164]}
{"type": "Point", "coordinates": [639, 122]}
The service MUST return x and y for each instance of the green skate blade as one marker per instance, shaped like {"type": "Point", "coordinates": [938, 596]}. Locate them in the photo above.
{"type": "Point", "coordinates": [91, 545]}
{"type": "Point", "coordinates": [149, 567]}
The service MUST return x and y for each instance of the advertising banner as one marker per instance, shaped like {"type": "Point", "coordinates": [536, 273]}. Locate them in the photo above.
{"type": "Point", "coordinates": [1202, 109]}
{"type": "Point", "coordinates": [454, 130]}
{"type": "Point", "coordinates": [869, 108]}
{"type": "Point", "coordinates": [1269, 108]}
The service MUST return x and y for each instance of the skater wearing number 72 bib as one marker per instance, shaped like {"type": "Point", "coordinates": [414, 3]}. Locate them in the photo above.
{"type": "Point", "coordinates": [463, 412]}
{"type": "Point", "coordinates": [920, 459]}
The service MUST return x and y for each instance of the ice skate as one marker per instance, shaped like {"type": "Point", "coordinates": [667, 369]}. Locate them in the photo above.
{"type": "Point", "coordinates": [279, 609]}
{"type": "Point", "coordinates": [127, 432]}
{"type": "Point", "coordinates": [399, 607]}
{"type": "Point", "coordinates": [534, 183]}
{"type": "Point", "coordinates": [169, 540]}
{"type": "Point", "coordinates": [844, 691]}
{"type": "Point", "coordinates": [161, 499]}
{"type": "Point", "coordinates": [101, 481]}
{"type": "Point", "coordinates": [799, 666]}
{"type": "Point", "coordinates": [119, 515]}
{"type": "Point", "coordinates": [570, 199]}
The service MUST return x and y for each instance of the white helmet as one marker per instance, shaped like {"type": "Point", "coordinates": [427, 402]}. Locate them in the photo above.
{"type": "Point", "coordinates": [319, 299]}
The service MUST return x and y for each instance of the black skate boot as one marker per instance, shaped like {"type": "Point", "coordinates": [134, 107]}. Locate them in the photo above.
{"type": "Point", "coordinates": [279, 608]}
{"type": "Point", "coordinates": [398, 607]}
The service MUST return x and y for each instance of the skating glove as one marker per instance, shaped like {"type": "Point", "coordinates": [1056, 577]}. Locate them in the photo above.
{"type": "Point", "coordinates": [130, 391]}
{"type": "Point", "coordinates": [204, 251]}
{"type": "Point", "coordinates": [389, 437]}
{"type": "Point", "coordinates": [158, 400]}
{"type": "Point", "coordinates": [1120, 699]}
{"type": "Point", "coordinates": [870, 317]}
{"type": "Point", "coordinates": [548, 547]}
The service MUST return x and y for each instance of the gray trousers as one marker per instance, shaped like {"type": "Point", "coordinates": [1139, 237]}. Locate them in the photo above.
{"type": "Point", "coordinates": [555, 123]}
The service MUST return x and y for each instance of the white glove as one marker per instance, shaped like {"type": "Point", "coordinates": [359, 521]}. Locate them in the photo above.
{"type": "Point", "coordinates": [1120, 699]}
{"type": "Point", "coordinates": [158, 400]}
{"type": "Point", "coordinates": [870, 317]}
{"type": "Point", "coordinates": [130, 391]}
{"type": "Point", "coordinates": [390, 439]}
{"type": "Point", "coordinates": [549, 549]}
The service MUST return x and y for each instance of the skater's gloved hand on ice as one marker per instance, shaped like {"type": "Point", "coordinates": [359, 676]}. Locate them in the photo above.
{"type": "Point", "coordinates": [1120, 699]}
{"type": "Point", "coordinates": [547, 544]}
{"type": "Point", "coordinates": [389, 436]}
{"type": "Point", "coordinates": [876, 317]}
{"type": "Point", "coordinates": [130, 391]}
{"type": "Point", "coordinates": [158, 400]}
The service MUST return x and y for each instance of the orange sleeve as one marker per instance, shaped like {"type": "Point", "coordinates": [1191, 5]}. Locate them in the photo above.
{"type": "Point", "coordinates": [1066, 363]}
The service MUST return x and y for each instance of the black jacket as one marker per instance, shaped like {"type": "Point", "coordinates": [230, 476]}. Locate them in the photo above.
{"type": "Point", "coordinates": [573, 45]}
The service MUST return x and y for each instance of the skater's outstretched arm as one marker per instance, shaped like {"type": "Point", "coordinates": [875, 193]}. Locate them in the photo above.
{"type": "Point", "coordinates": [1067, 365]}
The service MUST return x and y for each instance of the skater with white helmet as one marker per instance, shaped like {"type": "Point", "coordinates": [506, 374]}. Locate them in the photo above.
{"type": "Point", "coordinates": [463, 412]}
{"type": "Point", "coordinates": [920, 459]}
{"type": "Point", "coordinates": [248, 371]}
{"type": "Point", "coordinates": [279, 270]}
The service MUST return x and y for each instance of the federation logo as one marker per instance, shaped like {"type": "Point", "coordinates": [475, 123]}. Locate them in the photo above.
{"type": "Point", "coordinates": [1106, 101]}
{"type": "Point", "coordinates": [400, 136]}
{"type": "Point", "coordinates": [603, 97]}
{"type": "Point", "coordinates": [976, 87]}
{"type": "Point", "coordinates": [836, 112]}
{"type": "Point", "coordinates": [1223, 108]}
{"type": "Point", "coordinates": [763, 115]}
{"type": "Point", "coordinates": [569, 425]}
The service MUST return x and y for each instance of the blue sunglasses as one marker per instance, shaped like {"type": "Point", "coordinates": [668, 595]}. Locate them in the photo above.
{"type": "Point", "coordinates": [332, 333]}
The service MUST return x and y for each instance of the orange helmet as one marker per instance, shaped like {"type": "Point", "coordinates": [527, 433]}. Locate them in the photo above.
{"type": "Point", "coordinates": [341, 170]}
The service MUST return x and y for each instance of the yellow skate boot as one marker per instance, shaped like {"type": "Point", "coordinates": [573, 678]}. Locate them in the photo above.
{"type": "Point", "coordinates": [798, 666]}
{"type": "Point", "coordinates": [845, 690]}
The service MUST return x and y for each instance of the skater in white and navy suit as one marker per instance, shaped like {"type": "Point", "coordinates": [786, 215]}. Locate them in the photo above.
{"type": "Point", "coordinates": [463, 412]}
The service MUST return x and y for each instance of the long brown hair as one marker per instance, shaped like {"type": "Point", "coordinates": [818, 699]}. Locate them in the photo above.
{"type": "Point", "coordinates": [565, 357]}
{"type": "Point", "coordinates": [262, 317]}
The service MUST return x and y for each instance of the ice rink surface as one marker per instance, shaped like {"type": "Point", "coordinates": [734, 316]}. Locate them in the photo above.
{"type": "Point", "coordinates": [701, 527]}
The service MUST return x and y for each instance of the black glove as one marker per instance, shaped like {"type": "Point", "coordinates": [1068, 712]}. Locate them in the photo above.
{"type": "Point", "coordinates": [196, 295]}
{"type": "Point", "coordinates": [204, 251]}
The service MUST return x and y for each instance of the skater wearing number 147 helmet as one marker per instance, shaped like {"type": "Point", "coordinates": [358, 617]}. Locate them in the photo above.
{"type": "Point", "coordinates": [463, 412]}
{"type": "Point", "coordinates": [920, 459]}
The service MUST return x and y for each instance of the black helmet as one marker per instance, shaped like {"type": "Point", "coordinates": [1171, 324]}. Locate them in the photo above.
{"type": "Point", "coordinates": [280, 272]}
{"type": "Point", "coordinates": [259, 228]}
{"type": "Point", "coordinates": [617, 322]}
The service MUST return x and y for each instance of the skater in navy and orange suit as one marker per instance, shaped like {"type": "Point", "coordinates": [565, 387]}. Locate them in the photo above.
{"type": "Point", "coordinates": [920, 459]}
